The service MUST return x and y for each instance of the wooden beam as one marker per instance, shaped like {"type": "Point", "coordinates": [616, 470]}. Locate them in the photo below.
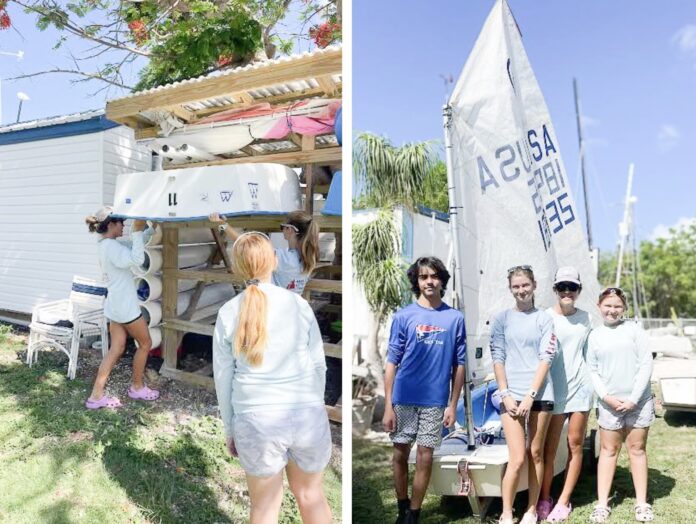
{"type": "Point", "coordinates": [146, 133]}
{"type": "Point", "coordinates": [324, 156]}
{"type": "Point", "coordinates": [335, 413]}
{"type": "Point", "coordinates": [188, 377]}
{"type": "Point", "coordinates": [309, 143]}
{"type": "Point", "coordinates": [327, 223]}
{"type": "Point", "coordinates": [245, 97]}
{"type": "Point", "coordinates": [333, 350]}
{"type": "Point", "coordinates": [187, 326]}
{"type": "Point", "coordinates": [170, 289]}
{"type": "Point", "coordinates": [327, 84]}
{"type": "Point", "coordinates": [181, 113]}
{"type": "Point", "coordinates": [239, 80]}
{"type": "Point", "coordinates": [324, 286]}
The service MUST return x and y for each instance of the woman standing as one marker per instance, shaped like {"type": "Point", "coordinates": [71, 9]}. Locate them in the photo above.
{"type": "Point", "coordinates": [269, 367]}
{"type": "Point", "coordinates": [296, 262]}
{"type": "Point", "coordinates": [523, 346]}
{"type": "Point", "coordinates": [572, 393]}
{"type": "Point", "coordinates": [121, 307]}
{"type": "Point", "coordinates": [620, 365]}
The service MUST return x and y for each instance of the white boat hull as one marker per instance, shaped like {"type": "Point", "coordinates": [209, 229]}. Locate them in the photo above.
{"type": "Point", "coordinates": [678, 393]}
{"type": "Point", "coordinates": [194, 193]}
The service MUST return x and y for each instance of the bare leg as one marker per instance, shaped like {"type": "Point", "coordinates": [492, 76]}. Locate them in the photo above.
{"type": "Point", "coordinates": [514, 436]}
{"type": "Point", "coordinates": [577, 427]}
{"type": "Point", "coordinates": [610, 444]}
{"type": "Point", "coordinates": [118, 337]}
{"type": "Point", "coordinates": [139, 331]}
{"type": "Point", "coordinates": [424, 466]}
{"type": "Point", "coordinates": [400, 465]}
{"type": "Point", "coordinates": [309, 493]}
{"type": "Point", "coordinates": [266, 494]}
{"type": "Point", "coordinates": [553, 436]}
{"type": "Point", "coordinates": [538, 424]}
{"type": "Point", "coordinates": [635, 442]}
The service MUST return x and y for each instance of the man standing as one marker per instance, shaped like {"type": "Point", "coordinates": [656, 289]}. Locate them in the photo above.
{"type": "Point", "coordinates": [427, 350]}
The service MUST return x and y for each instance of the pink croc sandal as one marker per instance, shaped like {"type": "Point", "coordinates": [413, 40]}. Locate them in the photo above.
{"type": "Point", "coordinates": [144, 393]}
{"type": "Point", "coordinates": [560, 513]}
{"type": "Point", "coordinates": [544, 507]}
{"type": "Point", "coordinates": [104, 402]}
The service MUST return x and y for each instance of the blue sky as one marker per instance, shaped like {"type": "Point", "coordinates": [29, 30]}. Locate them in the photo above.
{"type": "Point", "coordinates": [635, 62]}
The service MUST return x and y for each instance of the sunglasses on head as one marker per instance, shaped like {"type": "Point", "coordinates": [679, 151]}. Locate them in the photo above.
{"type": "Point", "coordinates": [519, 268]}
{"type": "Point", "coordinates": [613, 291]}
{"type": "Point", "coordinates": [562, 287]}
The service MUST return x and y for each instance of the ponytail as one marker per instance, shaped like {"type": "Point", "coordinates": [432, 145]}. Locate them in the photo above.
{"type": "Point", "coordinates": [95, 226]}
{"type": "Point", "coordinates": [308, 237]}
{"type": "Point", "coordinates": [252, 257]}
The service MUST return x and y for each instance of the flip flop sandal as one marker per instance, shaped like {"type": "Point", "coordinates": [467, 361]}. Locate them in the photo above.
{"type": "Point", "coordinates": [644, 513]}
{"type": "Point", "coordinates": [145, 393]}
{"type": "Point", "coordinates": [600, 514]}
{"type": "Point", "coordinates": [465, 479]}
{"type": "Point", "coordinates": [104, 402]}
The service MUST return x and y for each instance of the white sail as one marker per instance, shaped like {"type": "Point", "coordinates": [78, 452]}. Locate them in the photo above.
{"type": "Point", "coordinates": [511, 192]}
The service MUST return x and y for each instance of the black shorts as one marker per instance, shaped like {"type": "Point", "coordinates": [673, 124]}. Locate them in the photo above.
{"type": "Point", "coordinates": [537, 405]}
{"type": "Point", "coordinates": [126, 323]}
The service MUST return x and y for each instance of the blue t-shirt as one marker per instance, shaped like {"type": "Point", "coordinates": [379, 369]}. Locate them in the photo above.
{"type": "Point", "coordinates": [425, 344]}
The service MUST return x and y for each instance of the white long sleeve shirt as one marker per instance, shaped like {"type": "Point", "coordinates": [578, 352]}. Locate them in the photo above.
{"type": "Point", "coordinates": [620, 362]}
{"type": "Point", "coordinates": [116, 259]}
{"type": "Point", "coordinates": [293, 371]}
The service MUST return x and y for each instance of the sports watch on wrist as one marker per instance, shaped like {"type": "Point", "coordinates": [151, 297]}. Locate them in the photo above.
{"type": "Point", "coordinates": [532, 393]}
{"type": "Point", "coordinates": [222, 227]}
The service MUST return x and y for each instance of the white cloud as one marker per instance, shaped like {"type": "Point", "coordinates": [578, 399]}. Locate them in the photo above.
{"type": "Point", "coordinates": [685, 39]}
{"type": "Point", "coordinates": [662, 231]}
{"type": "Point", "coordinates": [588, 121]}
{"type": "Point", "coordinates": [667, 138]}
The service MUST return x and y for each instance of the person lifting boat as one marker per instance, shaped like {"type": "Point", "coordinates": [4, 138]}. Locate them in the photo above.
{"type": "Point", "coordinates": [121, 307]}
{"type": "Point", "coordinates": [296, 262]}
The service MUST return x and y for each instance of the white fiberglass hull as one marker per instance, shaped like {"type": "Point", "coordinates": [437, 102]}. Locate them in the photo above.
{"type": "Point", "coordinates": [194, 193]}
{"type": "Point", "coordinates": [678, 393]}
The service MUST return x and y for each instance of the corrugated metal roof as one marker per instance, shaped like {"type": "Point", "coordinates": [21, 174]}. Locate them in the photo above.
{"type": "Point", "coordinates": [52, 121]}
{"type": "Point", "coordinates": [223, 101]}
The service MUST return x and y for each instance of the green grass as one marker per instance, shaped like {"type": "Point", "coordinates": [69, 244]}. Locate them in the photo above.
{"type": "Point", "coordinates": [61, 463]}
{"type": "Point", "coordinates": [671, 482]}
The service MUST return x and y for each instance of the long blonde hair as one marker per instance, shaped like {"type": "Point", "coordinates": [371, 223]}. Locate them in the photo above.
{"type": "Point", "coordinates": [252, 257]}
{"type": "Point", "coordinates": [308, 236]}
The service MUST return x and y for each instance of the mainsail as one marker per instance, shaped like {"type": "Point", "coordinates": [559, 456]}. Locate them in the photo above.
{"type": "Point", "coordinates": [509, 191]}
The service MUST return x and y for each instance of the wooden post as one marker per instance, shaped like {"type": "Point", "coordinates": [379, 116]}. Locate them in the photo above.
{"type": "Point", "coordinates": [170, 288]}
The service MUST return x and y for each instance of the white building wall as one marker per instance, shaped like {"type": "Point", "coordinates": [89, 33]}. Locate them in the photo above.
{"type": "Point", "coordinates": [47, 188]}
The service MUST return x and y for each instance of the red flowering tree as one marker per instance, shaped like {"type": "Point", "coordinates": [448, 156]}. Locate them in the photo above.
{"type": "Point", "coordinates": [179, 38]}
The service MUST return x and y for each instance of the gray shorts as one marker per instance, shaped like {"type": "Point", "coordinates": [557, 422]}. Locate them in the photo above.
{"type": "Point", "coordinates": [641, 417]}
{"type": "Point", "coordinates": [266, 440]}
{"type": "Point", "coordinates": [419, 424]}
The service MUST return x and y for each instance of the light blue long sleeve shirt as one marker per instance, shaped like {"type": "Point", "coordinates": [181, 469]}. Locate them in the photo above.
{"type": "Point", "coordinates": [520, 340]}
{"type": "Point", "coordinates": [620, 361]}
{"type": "Point", "coordinates": [293, 371]}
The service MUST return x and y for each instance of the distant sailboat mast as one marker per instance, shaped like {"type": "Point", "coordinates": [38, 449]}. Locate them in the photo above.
{"type": "Point", "coordinates": [582, 165]}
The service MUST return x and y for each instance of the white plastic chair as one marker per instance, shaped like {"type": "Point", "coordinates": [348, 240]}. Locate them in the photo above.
{"type": "Point", "coordinates": [79, 316]}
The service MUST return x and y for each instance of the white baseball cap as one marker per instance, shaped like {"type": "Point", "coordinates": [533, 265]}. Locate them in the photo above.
{"type": "Point", "coordinates": [567, 274]}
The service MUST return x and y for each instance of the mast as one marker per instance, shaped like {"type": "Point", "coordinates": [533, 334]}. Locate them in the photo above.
{"type": "Point", "coordinates": [454, 206]}
{"type": "Point", "coordinates": [582, 164]}
{"type": "Point", "coordinates": [623, 227]}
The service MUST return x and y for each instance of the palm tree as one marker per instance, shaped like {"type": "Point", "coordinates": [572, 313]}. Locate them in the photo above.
{"type": "Point", "coordinates": [386, 177]}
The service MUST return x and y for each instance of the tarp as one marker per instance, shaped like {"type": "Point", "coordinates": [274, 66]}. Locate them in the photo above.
{"type": "Point", "coordinates": [511, 189]}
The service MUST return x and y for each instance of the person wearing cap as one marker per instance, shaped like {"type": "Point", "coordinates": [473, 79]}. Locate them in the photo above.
{"type": "Point", "coordinates": [270, 374]}
{"type": "Point", "coordinates": [572, 389]}
{"type": "Point", "coordinates": [296, 262]}
{"type": "Point", "coordinates": [121, 307]}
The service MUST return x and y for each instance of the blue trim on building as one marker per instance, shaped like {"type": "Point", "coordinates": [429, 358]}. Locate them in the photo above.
{"type": "Point", "coordinates": [439, 215]}
{"type": "Point", "coordinates": [82, 127]}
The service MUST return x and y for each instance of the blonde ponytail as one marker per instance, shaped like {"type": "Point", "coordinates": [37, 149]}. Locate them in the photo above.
{"type": "Point", "coordinates": [252, 257]}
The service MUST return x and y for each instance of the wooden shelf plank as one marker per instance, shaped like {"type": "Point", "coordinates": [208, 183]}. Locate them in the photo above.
{"type": "Point", "coordinates": [324, 156]}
